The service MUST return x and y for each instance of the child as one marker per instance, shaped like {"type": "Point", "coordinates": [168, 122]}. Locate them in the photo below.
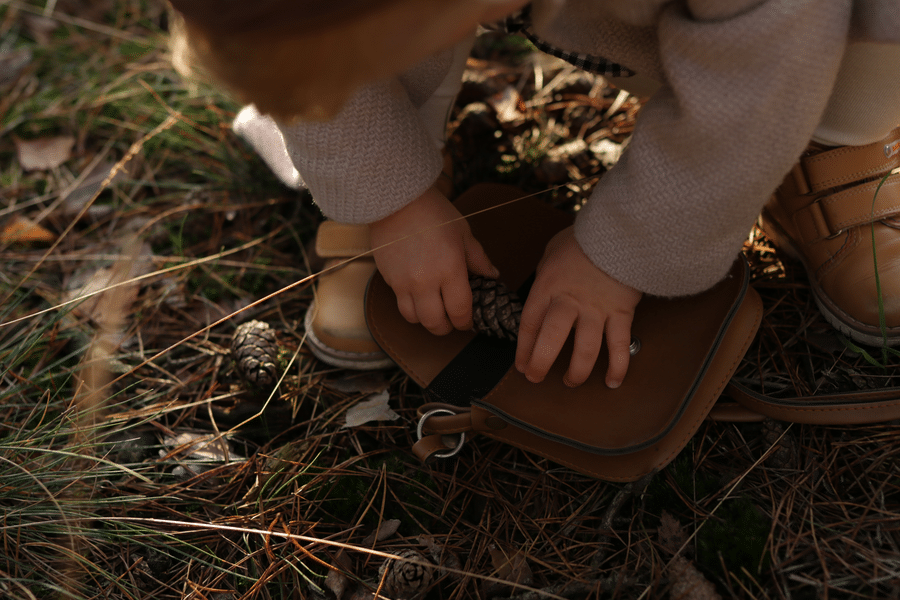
{"type": "Point", "coordinates": [745, 88]}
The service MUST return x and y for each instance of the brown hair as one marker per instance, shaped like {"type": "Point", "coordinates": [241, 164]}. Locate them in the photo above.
{"type": "Point", "coordinates": [295, 58]}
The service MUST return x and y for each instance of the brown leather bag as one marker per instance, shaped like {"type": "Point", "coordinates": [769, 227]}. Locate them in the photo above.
{"type": "Point", "coordinates": [689, 349]}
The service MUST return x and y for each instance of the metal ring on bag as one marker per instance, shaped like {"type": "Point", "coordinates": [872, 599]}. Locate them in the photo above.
{"type": "Point", "coordinates": [420, 432]}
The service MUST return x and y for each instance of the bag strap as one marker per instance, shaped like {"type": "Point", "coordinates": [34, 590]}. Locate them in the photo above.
{"type": "Point", "coordinates": [853, 408]}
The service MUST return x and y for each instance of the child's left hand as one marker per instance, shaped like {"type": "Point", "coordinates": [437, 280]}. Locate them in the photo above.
{"type": "Point", "coordinates": [569, 291]}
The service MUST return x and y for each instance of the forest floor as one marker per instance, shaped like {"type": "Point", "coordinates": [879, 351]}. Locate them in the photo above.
{"type": "Point", "coordinates": [137, 232]}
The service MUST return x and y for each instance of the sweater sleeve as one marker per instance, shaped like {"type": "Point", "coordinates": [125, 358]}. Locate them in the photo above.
{"type": "Point", "coordinates": [741, 96]}
{"type": "Point", "coordinates": [375, 156]}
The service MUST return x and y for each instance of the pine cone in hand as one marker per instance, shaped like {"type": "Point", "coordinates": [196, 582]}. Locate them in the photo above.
{"type": "Point", "coordinates": [496, 311]}
{"type": "Point", "coordinates": [255, 353]}
{"type": "Point", "coordinates": [404, 580]}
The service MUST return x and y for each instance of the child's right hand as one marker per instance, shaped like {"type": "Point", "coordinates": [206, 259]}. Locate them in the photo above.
{"type": "Point", "coordinates": [429, 261]}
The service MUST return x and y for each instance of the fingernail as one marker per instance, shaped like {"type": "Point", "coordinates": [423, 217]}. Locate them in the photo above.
{"type": "Point", "coordinates": [520, 368]}
{"type": "Point", "coordinates": [495, 272]}
{"type": "Point", "coordinates": [534, 379]}
{"type": "Point", "coordinates": [613, 384]}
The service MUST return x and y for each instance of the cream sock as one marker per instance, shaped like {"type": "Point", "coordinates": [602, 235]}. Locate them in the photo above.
{"type": "Point", "coordinates": [865, 104]}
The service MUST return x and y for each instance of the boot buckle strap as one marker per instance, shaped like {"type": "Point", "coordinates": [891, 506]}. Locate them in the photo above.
{"type": "Point", "coordinates": [849, 164]}
{"type": "Point", "coordinates": [831, 215]}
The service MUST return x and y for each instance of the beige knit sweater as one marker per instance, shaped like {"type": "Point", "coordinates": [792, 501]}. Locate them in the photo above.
{"type": "Point", "coordinates": [744, 85]}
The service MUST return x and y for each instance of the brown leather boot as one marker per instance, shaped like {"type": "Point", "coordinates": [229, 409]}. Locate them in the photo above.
{"type": "Point", "coordinates": [825, 214]}
{"type": "Point", "coordinates": [335, 322]}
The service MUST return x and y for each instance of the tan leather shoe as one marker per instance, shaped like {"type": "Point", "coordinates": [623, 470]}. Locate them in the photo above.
{"type": "Point", "coordinates": [825, 213]}
{"type": "Point", "coordinates": [335, 322]}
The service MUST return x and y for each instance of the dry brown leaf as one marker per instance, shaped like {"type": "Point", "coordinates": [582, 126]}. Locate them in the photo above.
{"type": "Point", "coordinates": [75, 199]}
{"type": "Point", "coordinates": [607, 151]}
{"type": "Point", "coordinates": [508, 104]}
{"type": "Point", "coordinates": [671, 534]}
{"type": "Point", "coordinates": [363, 383]}
{"type": "Point", "coordinates": [688, 583]}
{"type": "Point", "coordinates": [22, 230]}
{"type": "Point", "coordinates": [374, 409]}
{"type": "Point", "coordinates": [441, 555]}
{"type": "Point", "coordinates": [198, 446]}
{"type": "Point", "coordinates": [44, 153]}
{"type": "Point", "coordinates": [384, 531]}
{"type": "Point", "coordinates": [198, 453]}
{"type": "Point", "coordinates": [336, 581]}
{"type": "Point", "coordinates": [90, 282]}
{"type": "Point", "coordinates": [511, 566]}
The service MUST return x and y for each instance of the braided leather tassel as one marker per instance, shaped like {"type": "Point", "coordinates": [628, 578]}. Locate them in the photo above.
{"type": "Point", "coordinates": [496, 310]}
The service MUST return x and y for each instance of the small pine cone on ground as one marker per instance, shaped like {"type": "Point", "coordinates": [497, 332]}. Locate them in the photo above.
{"type": "Point", "coordinates": [786, 454]}
{"type": "Point", "coordinates": [404, 580]}
{"type": "Point", "coordinates": [255, 352]}
{"type": "Point", "coordinates": [496, 310]}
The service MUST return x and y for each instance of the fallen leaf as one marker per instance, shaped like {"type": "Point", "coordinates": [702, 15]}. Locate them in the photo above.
{"type": "Point", "coordinates": [75, 199]}
{"type": "Point", "coordinates": [671, 534]}
{"type": "Point", "coordinates": [384, 531]}
{"type": "Point", "coordinates": [688, 583]}
{"type": "Point", "coordinates": [23, 230]}
{"type": "Point", "coordinates": [511, 566]}
{"type": "Point", "coordinates": [91, 282]}
{"type": "Point", "coordinates": [607, 151]}
{"type": "Point", "coordinates": [44, 153]}
{"type": "Point", "coordinates": [374, 409]}
{"type": "Point", "coordinates": [198, 453]}
{"type": "Point", "coordinates": [441, 555]}
{"type": "Point", "coordinates": [365, 383]}
{"type": "Point", "coordinates": [508, 105]}
{"type": "Point", "coordinates": [199, 446]}
{"type": "Point", "coordinates": [336, 581]}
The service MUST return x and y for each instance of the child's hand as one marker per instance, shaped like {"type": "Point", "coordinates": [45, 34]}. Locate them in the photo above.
{"type": "Point", "coordinates": [428, 270]}
{"type": "Point", "coordinates": [570, 291]}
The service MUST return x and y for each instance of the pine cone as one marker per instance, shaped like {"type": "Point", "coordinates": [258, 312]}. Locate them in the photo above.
{"type": "Point", "coordinates": [255, 353]}
{"type": "Point", "coordinates": [496, 311]}
{"type": "Point", "coordinates": [404, 580]}
{"type": "Point", "coordinates": [786, 454]}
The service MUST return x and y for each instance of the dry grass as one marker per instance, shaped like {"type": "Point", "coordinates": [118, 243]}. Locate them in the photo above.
{"type": "Point", "coordinates": [89, 514]}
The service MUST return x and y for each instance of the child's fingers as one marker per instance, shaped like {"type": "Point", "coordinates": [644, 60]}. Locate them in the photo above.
{"type": "Point", "coordinates": [477, 259]}
{"type": "Point", "coordinates": [457, 295]}
{"type": "Point", "coordinates": [588, 340]}
{"type": "Point", "coordinates": [533, 312]}
{"type": "Point", "coordinates": [550, 339]}
{"type": "Point", "coordinates": [618, 340]}
{"type": "Point", "coordinates": [407, 307]}
{"type": "Point", "coordinates": [431, 313]}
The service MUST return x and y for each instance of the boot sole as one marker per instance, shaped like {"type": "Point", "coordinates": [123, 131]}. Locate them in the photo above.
{"type": "Point", "coordinates": [341, 358]}
{"type": "Point", "coordinates": [858, 332]}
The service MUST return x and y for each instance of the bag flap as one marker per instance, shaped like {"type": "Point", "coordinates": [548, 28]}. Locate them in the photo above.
{"type": "Point", "coordinates": [678, 340]}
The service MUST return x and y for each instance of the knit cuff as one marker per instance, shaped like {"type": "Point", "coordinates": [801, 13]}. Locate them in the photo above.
{"type": "Point", "coordinates": [370, 161]}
